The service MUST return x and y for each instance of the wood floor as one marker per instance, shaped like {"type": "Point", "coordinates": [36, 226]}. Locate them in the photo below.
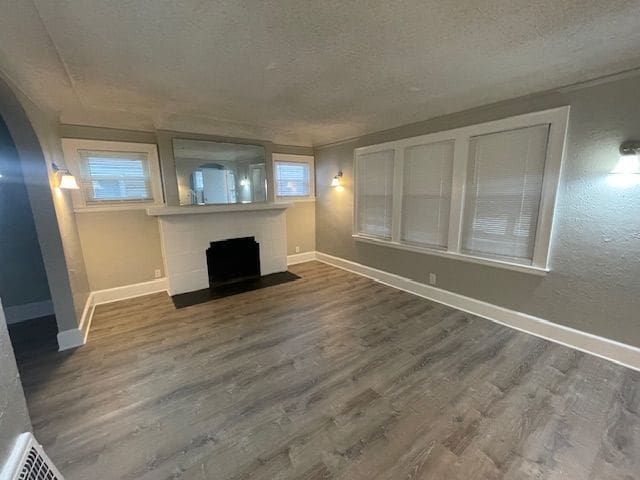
{"type": "Point", "coordinates": [329, 377]}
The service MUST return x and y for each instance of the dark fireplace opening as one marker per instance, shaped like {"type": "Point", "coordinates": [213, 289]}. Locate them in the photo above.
{"type": "Point", "coordinates": [234, 268]}
{"type": "Point", "coordinates": [233, 260]}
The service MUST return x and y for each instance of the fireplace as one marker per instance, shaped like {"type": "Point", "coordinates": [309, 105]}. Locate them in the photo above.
{"type": "Point", "coordinates": [233, 260]}
{"type": "Point", "coordinates": [190, 235]}
{"type": "Point", "coordinates": [234, 267]}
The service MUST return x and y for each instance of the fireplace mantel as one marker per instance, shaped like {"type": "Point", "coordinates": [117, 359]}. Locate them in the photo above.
{"type": "Point", "coordinates": [199, 209]}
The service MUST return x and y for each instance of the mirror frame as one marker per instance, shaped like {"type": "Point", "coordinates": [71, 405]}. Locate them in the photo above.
{"type": "Point", "coordinates": [168, 162]}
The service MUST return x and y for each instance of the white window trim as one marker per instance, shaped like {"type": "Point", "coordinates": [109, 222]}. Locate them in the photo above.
{"type": "Point", "coordinates": [70, 148]}
{"type": "Point", "coordinates": [287, 157]}
{"type": "Point", "coordinates": [558, 118]}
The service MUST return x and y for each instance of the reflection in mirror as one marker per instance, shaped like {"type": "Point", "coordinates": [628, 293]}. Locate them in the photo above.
{"type": "Point", "coordinates": [216, 172]}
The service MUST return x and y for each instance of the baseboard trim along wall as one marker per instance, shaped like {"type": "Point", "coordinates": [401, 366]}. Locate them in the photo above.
{"type": "Point", "coordinates": [616, 352]}
{"type": "Point", "coordinates": [76, 337]}
{"type": "Point", "coordinates": [300, 258]}
{"type": "Point", "coordinates": [28, 311]}
{"type": "Point", "coordinates": [129, 291]}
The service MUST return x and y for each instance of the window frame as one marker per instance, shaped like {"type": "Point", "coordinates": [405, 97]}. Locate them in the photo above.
{"type": "Point", "coordinates": [557, 118]}
{"type": "Point", "coordinates": [72, 158]}
{"type": "Point", "coordinates": [291, 158]}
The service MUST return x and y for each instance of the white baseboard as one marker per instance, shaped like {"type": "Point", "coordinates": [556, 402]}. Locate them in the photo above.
{"type": "Point", "coordinates": [301, 258]}
{"type": "Point", "coordinates": [617, 352]}
{"type": "Point", "coordinates": [29, 311]}
{"type": "Point", "coordinates": [76, 337]}
{"type": "Point", "coordinates": [129, 291]}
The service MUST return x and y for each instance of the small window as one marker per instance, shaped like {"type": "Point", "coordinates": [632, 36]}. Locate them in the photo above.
{"type": "Point", "coordinates": [293, 176]}
{"type": "Point", "coordinates": [113, 175]}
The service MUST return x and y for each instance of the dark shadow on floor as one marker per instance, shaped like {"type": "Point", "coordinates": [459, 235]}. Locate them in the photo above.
{"type": "Point", "coordinates": [35, 336]}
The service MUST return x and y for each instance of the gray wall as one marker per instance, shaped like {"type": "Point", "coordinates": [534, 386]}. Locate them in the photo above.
{"type": "Point", "coordinates": [595, 251]}
{"type": "Point", "coordinates": [120, 247]}
{"type": "Point", "coordinates": [301, 218]}
{"type": "Point", "coordinates": [14, 417]}
{"type": "Point", "coordinates": [37, 140]}
{"type": "Point", "coordinates": [123, 247]}
{"type": "Point", "coordinates": [23, 279]}
{"type": "Point", "coordinates": [301, 227]}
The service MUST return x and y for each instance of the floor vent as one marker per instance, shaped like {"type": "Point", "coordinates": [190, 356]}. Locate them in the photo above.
{"type": "Point", "coordinates": [29, 462]}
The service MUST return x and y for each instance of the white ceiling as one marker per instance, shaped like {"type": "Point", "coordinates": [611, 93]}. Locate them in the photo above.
{"type": "Point", "coordinates": [302, 72]}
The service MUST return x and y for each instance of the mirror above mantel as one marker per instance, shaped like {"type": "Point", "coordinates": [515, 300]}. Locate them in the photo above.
{"type": "Point", "coordinates": [219, 173]}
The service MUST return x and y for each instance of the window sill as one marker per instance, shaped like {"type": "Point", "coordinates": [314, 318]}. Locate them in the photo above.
{"type": "Point", "coordinates": [295, 199]}
{"type": "Point", "coordinates": [116, 208]}
{"type": "Point", "coordinates": [455, 256]}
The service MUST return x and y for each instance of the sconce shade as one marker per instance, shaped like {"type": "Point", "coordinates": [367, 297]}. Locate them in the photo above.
{"type": "Point", "coordinates": [336, 180]}
{"type": "Point", "coordinates": [628, 164]}
{"type": "Point", "coordinates": [68, 182]}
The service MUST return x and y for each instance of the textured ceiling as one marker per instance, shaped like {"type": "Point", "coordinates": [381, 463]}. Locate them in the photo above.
{"type": "Point", "coordinates": [302, 72]}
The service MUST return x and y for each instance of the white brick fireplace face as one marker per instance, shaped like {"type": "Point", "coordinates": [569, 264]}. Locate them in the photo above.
{"type": "Point", "coordinates": [185, 239]}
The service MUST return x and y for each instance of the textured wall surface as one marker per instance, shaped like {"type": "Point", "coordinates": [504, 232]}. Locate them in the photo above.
{"type": "Point", "coordinates": [23, 279]}
{"type": "Point", "coordinates": [595, 250]}
{"type": "Point", "coordinates": [36, 139]}
{"type": "Point", "coordinates": [14, 417]}
{"type": "Point", "coordinates": [120, 247]}
{"type": "Point", "coordinates": [301, 227]}
{"type": "Point", "coordinates": [46, 128]}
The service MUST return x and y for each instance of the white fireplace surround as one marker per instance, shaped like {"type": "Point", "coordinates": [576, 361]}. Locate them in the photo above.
{"type": "Point", "coordinates": [186, 233]}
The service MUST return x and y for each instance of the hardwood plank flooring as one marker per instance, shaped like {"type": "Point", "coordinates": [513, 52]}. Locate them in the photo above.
{"type": "Point", "coordinates": [332, 376]}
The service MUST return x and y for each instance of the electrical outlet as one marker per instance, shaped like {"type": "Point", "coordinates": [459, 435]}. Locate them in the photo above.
{"type": "Point", "coordinates": [432, 279]}
{"type": "Point", "coordinates": [158, 273]}
{"type": "Point", "coordinates": [297, 249]}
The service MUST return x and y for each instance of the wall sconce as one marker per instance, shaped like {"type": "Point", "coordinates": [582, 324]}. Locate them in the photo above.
{"type": "Point", "coordinates": [66, 181]}
{"type": "Point", "coordinates": [244, 182]}
{"type": "Point", "coordinates": [626, 173]}
{"type": "Point", "coordinates": [629, 162]}
{"type": "Point", "coordinates": [337, 180]}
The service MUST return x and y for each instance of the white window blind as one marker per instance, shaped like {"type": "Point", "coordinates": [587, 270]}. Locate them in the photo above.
{"type": "Point", "coordinates": [108, 177]}
{"type": "Point", "coordinates": [504, 185]}
{"type": "Point", "coordinates": [374, 193]}
{"type": "Point", "coordinates": [292, 179]}
{"type": "Point", "coordinates": [426, 194]}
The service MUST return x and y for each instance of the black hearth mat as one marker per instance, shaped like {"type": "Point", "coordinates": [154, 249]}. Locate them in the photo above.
{"type": "Point", "coordinates": [207, 294]}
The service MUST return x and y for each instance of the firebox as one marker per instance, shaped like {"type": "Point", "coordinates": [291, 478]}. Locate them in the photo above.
{"type": "Point", "coordinates": [233, 260]}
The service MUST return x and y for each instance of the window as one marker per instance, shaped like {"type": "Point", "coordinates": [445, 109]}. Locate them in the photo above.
{"type": "Point", "coordinates": [426, 194]}
{"type": "Point", "coordinates": [293, 176]}
{"type": "Point", "coordinates": [292, 179]}
{"type": "Point", "coordinates": [504, 185]}
{"type": "Point", "coordinates": [374, 193]}
{"type": "Point", "coordinates": [483, 193]}
{"type": "Point", "coordinates": [113, 175]}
